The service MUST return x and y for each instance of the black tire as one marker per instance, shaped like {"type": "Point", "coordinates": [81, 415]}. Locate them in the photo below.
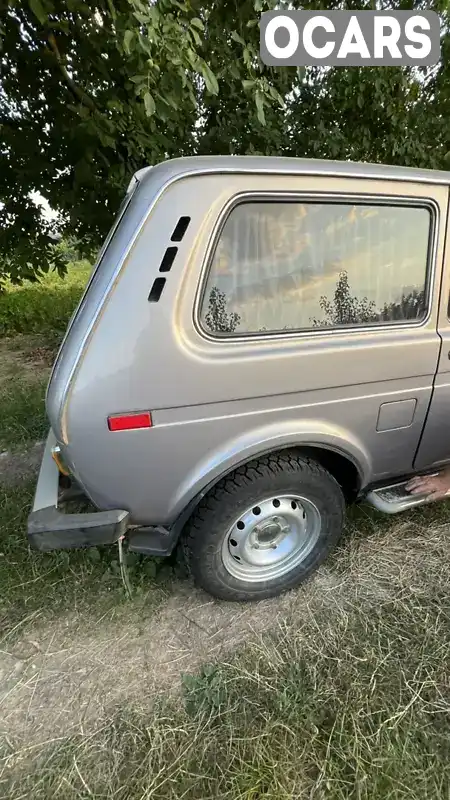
{"type": "Point", "coordinates": [284, 472]}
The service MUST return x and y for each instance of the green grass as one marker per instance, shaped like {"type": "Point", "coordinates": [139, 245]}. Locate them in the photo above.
{"type": "Point", "coordinates": [46, 585]}
{"type": "Point", "coordinates": [22, 412]}
{"type": "Point", "coordinates": [348, 699]}
{"type": "Point", "coordinates": [24, 370]}
{"type": "Point", "coordinates": [43, 307]}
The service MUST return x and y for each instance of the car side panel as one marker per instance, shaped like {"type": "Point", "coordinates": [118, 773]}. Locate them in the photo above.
{"type": "Point", "coordinates": [215, 402]}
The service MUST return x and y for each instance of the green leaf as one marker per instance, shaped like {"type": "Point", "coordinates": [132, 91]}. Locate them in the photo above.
{"type": "Point", "coordinates": [115, 105]}
{"type": "Point", "coordinates": [210, 80]}
{"type": "Point", "coordinates": [248, 84]}
{"type": "Point", "coordinates": [112, 10]}
{"type": "Point", "coordinates": [197, 23]}
{"type": "Point", "coordinates": [193, 59]}
{"type": "Point", "coordinates": [149, 104]}
{"type": "Point", "coordinates": [236, 38]}
{"type": "Point", "coordinates": [233, 70]}
{"type": "Point", "coordinates": [127, 39]}
{"type": "Point", "coordinates": [196, 37]}
{"type": "Point", "coordinates": [259, 100]}
{"type": "Point", "coordinates": [276, 96]}
{"type": "Point", "coordinates": [38, 11]}
{"type": "Point", "coordinates": [142, 18]}
{"type": "Point", "coordinates": [170, 101]}
{"type": "Point", "coordinates": [83, 112]}
{"type": "Point", "coordinates": [107, 141]}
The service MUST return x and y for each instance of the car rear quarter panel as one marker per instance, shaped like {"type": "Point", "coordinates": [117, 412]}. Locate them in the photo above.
{"type": "Point", "coordinates": [215, 403]}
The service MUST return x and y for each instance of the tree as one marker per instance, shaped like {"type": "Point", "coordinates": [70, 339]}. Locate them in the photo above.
{"type": "Point", "coordinates": [411, 306]}
{"type": "Point", "coordinates": [92, 90]}
{"type": "Point", "coordinates": [217, 318]}
{"type": "Point", "coordinates": [345, 309]}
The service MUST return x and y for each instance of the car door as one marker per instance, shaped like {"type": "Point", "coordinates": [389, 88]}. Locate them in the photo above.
{"type": "Point", "coordinates": [434, 447]}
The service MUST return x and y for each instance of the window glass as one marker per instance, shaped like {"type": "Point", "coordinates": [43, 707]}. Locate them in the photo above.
{"type": "Point", "coordinates": [281, 266]}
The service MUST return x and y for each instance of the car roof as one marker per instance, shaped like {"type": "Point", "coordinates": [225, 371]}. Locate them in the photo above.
{"type": "Point", "coordinates": [175, 168]}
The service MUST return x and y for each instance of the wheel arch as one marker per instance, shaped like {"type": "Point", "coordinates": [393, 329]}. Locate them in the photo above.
{"type": "Point", "coordinates": [350, 466]}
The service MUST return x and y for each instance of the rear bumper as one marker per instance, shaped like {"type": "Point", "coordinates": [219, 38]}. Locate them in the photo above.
{"type": "Point", "coordinates": [49, 528]}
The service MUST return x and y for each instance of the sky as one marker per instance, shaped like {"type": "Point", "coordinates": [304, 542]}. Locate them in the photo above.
{"type": "Point", "coordinates": [42, 202]}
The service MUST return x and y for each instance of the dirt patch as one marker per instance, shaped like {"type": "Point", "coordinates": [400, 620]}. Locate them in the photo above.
{"type": "Point", "coordinates": [61, 679]}
{"type": "Point", "coordinates": [66, 677]}
{"type": "Point", "coordinates": [29, 356]}
{"type": "Point", "coordinates": [18, 467]}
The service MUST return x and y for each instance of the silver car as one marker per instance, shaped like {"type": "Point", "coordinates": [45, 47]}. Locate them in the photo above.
{"type": "Point", "coordinates": [262, 341]}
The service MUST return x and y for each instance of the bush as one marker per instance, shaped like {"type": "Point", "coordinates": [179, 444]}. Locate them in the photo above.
{"type": "Point", "coordinates": [43, 307]}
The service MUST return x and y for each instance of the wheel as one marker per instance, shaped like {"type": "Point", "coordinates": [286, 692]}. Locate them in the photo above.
{"type": "Point", "coordinates": [264, 528]}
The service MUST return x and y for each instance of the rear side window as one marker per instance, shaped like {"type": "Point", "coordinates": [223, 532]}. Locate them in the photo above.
{"type": "Point", "coordinates": [284, 266]}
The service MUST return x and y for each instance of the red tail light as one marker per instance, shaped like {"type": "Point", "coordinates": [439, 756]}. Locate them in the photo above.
{"type": "Point", "coordinates": [129, 422]}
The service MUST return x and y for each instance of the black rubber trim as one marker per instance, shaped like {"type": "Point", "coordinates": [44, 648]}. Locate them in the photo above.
{"type": "Point", "coordinates": [49, 529]}
{"type": "Point", "coordinates": [156, 290]}
{"type": "Point", "coordinates": [168, 259]}
{"type": "Point", "coordinates": [153, 540]}
{"type": "Point", "coordinates": [180, 229]}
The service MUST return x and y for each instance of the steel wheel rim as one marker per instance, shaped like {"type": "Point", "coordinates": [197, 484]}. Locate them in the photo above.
{"type": "Point", "coordinates": [271, 538]}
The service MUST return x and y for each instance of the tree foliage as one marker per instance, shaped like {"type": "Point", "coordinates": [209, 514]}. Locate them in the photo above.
{"type": "Point", "coordinates": [218, 319]}
{"type": "Point", "coordinates": [347, 309]}
{"type": "Point", "coordinates": [92, 90]}
{"type": "Point", "coordinates": [344, 309]}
